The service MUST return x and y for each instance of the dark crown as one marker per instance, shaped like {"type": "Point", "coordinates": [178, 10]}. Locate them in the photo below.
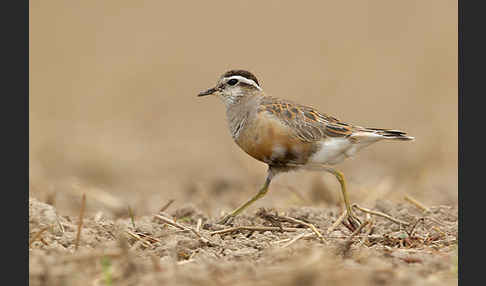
{"type": "Point", "coordinates": [243, 73]}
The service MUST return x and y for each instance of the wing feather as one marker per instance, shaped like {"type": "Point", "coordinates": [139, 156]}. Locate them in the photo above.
{"type": "Point", "coordinates": [309, 124]}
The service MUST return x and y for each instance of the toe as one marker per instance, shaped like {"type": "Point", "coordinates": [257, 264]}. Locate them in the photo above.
{"type": "Point", "coordinates": [225, 220]}
{"type": "Point", "coordinates": [353, 222]}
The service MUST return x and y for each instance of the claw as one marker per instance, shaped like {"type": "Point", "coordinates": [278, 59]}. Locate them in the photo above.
{"type": "Point", "coordinates": [226, 220]}
{"type": "Point", "coordinates": [353, 222]}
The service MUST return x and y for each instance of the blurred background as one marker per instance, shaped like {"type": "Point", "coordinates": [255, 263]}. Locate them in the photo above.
{"type": "Point", "coordinates": [114, 113]}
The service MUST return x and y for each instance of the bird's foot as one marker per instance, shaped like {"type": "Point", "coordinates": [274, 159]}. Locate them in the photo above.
{"type": "Point", "coordinates": [226, 220]}
{"type": "Point", "coordinates": [352, 221]}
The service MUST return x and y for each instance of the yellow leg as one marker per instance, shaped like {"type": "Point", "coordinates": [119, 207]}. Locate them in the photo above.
{"type": "Point", "coordinates": [263, 190]}
{"type": "Point", "coordinates": [352, 218]}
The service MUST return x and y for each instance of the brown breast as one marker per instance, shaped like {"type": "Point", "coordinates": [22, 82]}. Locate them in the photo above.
{"type": "Point", "coordinates": [267, 139]}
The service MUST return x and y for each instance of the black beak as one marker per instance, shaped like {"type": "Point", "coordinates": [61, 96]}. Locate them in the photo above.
{"type": "Point", "coordinates": [208, 92]}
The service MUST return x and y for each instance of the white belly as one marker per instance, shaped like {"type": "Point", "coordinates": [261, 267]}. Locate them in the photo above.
{"type": "Point", "coordinates": [335, 150]}
{"type": "Point", "coordinates": [332, 151]}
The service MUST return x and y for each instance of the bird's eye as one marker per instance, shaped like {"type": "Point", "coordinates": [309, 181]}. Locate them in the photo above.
{"type": "Point", "coordinates": [232, 81]}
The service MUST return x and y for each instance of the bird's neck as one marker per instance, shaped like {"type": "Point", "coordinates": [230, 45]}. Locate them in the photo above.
{"type": "Point", "coordinates": [241, 114]}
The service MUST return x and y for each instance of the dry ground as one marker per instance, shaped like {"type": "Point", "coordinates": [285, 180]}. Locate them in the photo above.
{"type": "Point", "coordinates": [114, 116]}
{"type": "Point", "coordinates": [148, 251]}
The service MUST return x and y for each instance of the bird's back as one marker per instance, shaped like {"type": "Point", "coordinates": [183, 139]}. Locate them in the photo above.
{"type": "Point", "coordinates": [282, 132]}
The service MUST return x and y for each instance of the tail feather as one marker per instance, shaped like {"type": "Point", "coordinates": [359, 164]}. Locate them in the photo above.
{"type": "Point", "coordinates": [391, 134]}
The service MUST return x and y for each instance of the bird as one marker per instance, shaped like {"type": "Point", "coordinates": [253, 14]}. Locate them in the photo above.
{"type": "Point", "coordinates": [288, 136]}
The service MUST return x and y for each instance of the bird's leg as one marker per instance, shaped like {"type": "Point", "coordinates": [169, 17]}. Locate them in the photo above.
{"type": "Point", "coordinates": [351, 217]}
{"type": "Point", "coordinates": [263, 190]}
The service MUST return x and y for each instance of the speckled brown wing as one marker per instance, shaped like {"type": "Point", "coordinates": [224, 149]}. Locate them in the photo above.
{"type": "Point", "coordinates": [309, 124]}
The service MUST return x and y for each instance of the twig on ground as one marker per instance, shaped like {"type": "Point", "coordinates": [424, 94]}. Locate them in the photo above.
{"type": "Point", "coordinates": [370, 229]}
{"type": "Point", "coordinates": [61, 227]}
{"type": "Point", "coordinates": [295, 238]}
{"type": "Point", "coordinates": [166, 206]}
{"type": "Point", "coordinates": [148, 237]}
{"type": "Point", "coordinates": [337, 222]}
{"type": "Point", "coordinates": [171, 222]}
{"type": "Point", "coordinates": [309, 225]}
{"type": "Point", "coordinates": [416, 203]}
{"type": "Point", "coordinates": [37, 235]}
{"type": "Point", "coordinates": [183, 227]}
{"type": "Point", "coordinates": [397, 221]}
{"type": "Point", "coordinates": [198, 225]}
{"type": "Point", "coordinates": [410, 233]}
{"type": "Point", "coordinates": [43, 241]}
{"type": "Point", "coordinates": [137, 237]}
{"type": "Point", "coordinates": [308, 235]}
{"type": "Point", "coordinates": [255, 228]}
{"type": "Point", "coordinates": [80, 223]}
{"type": "Point", "coordinates": [276, 220]}
{"type": "Point", "coordinates": [439, 230]}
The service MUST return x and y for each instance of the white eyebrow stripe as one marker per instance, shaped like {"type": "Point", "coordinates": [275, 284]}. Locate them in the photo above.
{"type": "Point", "coordinates": [245, 80]}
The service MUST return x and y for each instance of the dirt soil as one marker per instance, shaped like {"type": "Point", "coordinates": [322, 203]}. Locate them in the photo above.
{"type": "Point", "coordinates": [148, 251]}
